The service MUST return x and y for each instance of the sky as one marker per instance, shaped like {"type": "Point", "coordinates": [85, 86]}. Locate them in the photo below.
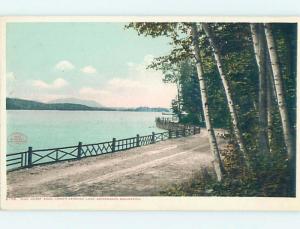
{"type": "Point", "coordinates": [94, 61]}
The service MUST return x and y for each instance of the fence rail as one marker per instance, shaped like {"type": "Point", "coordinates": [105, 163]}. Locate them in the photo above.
{"type": "Point", "coordinates": [168, 124]}
{"type": "Point", "coordinates": [33, 157]}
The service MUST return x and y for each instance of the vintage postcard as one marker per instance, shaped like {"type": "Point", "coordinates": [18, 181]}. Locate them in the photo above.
{"type": "Point", "coordinates": [149, 113]}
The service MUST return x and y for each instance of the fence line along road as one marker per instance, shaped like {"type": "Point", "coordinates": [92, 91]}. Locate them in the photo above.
{"type": "Point", "coordinates": [33, 157]}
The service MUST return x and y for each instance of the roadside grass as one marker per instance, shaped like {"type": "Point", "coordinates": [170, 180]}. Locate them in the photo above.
{"type": "Point", "coordinates": [269, 180]}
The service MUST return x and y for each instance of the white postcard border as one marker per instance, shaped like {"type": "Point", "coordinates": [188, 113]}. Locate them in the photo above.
{"type": "Point", "coordinates": [140, 203]}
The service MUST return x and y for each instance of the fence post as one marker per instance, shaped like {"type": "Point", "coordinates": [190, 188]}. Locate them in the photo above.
{"type": "Point", "coordinates": [170, 134]}
{"type": "Point", "coordinates": [194, 130]}
{"type": "Point", "coordinates": [79, 150]}
{"type": "Point", "coordinates": [183, 131]}
{"type": "Point", "coordinates": [113, 145]}
{"type": "Point", "coordinates": [153, 138]}
{"type": "Point", "coordinates": [29, 158]}
{"type": "Point", "coordinates": [137, 140]}
{"type": "Point", "coordinates": [177, 133]}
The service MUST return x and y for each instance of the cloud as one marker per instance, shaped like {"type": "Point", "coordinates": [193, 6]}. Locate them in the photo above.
{"type": "Point", "coordinates": [140, 87]}
{"type": "Point", "coordinates": [11, 82]}
{"type": "Point", "coordinates": [56, 84]}
{"type": "Point", "coordinates": [88, 69]}
{"type": "Point", "coordinates": [148, 59]}
{"type": "Point", "coordinates": [64, 65]}
{"type": "Point", "coordinates": [93, 93]}
{"type": "Point", "coordinates": [10, 76]}
{"type": "Point", "coordinates": [118, 83]}
{"type": "Point", "coordinates": [114, 87]}
{"type": "Point", "coordinates": [140, 72]}
{"type": "Point", "coordinates": [143, 65]}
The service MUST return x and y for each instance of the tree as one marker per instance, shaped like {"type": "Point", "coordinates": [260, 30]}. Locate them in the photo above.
{"type": "Point", "coordinates": [171, 75]}
{"type": "Point", "coordinates": [260, 55]}
{"type": "Point", "coordinates": [182, 49]}
{"type": "Point", "coordinates": [190, 93]}
{"type": "Point", "coordinates": [233, 72]}
{"type": "Point", "coordinates": [270, 92]}
{"type": "Point", "coordinates": [287, 133]}
{"type": "Point", "coordinates": [211, 134]}
{"type": "Point", "coordinates": [226, 85]}
{"type": "Point", "coordinates": [186, 105]}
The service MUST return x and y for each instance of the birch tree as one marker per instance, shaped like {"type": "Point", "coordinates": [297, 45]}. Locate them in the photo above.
{"type": "Point", "coordinates": [181, 51]}
{"type": "Point", "coordinates": [269, 175]}
{"type": "Point", "coordinates": [287, 133]}
{"type": "Point", "coordinates": [269, 95]}
{"type": "Point", "coordinates": [260, 56]}
{"type": "Point", "coordinates": [226, 85]}
{"type": "Point", "coordinates": [211, 134]}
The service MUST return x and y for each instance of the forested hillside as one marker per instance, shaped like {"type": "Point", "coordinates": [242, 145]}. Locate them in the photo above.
{"type": "Point", "coordinates": [23, 104]}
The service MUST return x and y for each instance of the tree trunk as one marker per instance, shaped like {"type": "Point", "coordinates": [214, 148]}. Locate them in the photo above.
{"type": "Point", "coordinates": [287, 133]}
{"type": "Point", "coordinates": [271, 78]}
{"type": "Point", "coordinates": [179, 101]}
{"type": "Point", "coordinates": [211, 134]}
{"type": "Point", "coordinates": [233, 114]}
{"type": "Point", "coordinates": [260, 55]}
{"type": "Point", "coordinates": [271, 96]}
{"type": "Point", "coordinates": [269, 105]}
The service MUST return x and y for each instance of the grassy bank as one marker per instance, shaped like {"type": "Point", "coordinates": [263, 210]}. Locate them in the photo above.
{"type": "Point", "coordinates": [270, 179]}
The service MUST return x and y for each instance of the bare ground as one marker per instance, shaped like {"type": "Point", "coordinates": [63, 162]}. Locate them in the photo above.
{"type": "Point", "coordinates": [143, 171]}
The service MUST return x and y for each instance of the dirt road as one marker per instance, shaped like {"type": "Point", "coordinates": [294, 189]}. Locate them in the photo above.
{"type": "Point", "coordinates": [143, 171]}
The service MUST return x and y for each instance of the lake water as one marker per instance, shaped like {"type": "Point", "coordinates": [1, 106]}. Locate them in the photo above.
{"type": "Point", "coordinates": [50, 129]}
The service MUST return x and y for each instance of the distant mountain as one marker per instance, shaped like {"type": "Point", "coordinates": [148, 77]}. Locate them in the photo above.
{"type": "Point", "coordinates": [89, 103]}
{"type": "Point", "coordinates": [23, 104]}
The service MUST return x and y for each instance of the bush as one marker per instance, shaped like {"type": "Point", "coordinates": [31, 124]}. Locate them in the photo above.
{"type": "Point", "coordinates": [270, 179]}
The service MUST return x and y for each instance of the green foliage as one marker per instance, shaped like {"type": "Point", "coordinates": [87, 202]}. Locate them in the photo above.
{"type": "Point", "coordinates": [286, 44]}
{"type": "Point", "coordinates": [176, 108]}
{"type": "Point", "coordinates": [269, 174]}
{"type": "Point", "coordinates": [270, 179]}
{"type": "Point", "coordinates": [190, 93]}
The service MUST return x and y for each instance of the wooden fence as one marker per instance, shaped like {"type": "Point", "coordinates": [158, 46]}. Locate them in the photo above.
{"type": "Point", "coordinates": [168, 124]}
{"type": "Point", "coordinates": [33, 157]}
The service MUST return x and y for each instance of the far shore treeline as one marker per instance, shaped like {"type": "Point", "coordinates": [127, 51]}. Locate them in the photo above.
{"type": "Point", "coordinates": [22, 104]}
